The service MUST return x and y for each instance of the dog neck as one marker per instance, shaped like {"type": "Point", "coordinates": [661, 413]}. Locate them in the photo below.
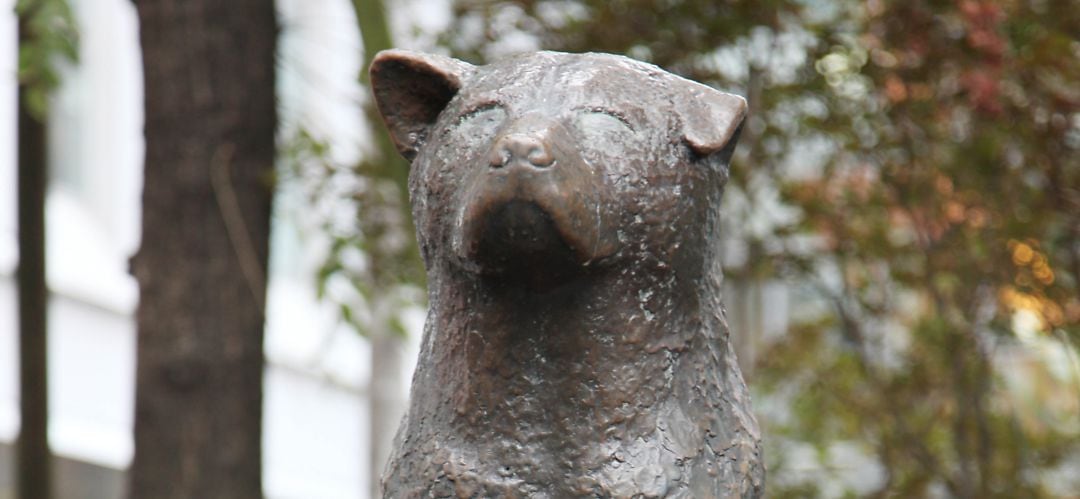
{"type": "Point", "coordinates": [563, 371]}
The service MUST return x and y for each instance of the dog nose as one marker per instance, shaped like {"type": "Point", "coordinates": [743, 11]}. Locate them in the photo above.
{"type": "Point", "coordinates": [521, 147]}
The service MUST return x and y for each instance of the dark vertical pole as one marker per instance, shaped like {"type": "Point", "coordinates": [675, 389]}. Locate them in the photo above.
{"type": "Point", "coordinates": [33, 471]}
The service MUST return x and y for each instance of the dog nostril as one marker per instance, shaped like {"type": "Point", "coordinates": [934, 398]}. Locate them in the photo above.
{"type": "Point", "coordinates": [500, 156]}
{"type": "Point", "coordinates": [540, 155]}
{"type": "Point", "coordinates": [521, 147]}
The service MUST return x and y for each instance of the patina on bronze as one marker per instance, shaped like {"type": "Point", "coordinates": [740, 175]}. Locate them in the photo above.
{"type": "Point", "coordinates": [567, 211]}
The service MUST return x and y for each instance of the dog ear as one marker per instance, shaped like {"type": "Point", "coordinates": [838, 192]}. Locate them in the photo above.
{"type": "Point", "coordinates": [411, 89]}
{"type": "Point", "coordinates": [711, 119]}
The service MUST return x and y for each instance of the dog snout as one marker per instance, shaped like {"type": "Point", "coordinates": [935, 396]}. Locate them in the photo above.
{"type": "Point", "coordinates": [524, 148]}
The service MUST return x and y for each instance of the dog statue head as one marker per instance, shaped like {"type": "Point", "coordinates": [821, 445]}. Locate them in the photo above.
{"type": "Point", "coordinates": [566, 208]}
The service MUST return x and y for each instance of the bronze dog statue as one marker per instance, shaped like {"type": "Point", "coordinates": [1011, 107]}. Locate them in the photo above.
{"type": "Point", "coordinates": [566, 207]}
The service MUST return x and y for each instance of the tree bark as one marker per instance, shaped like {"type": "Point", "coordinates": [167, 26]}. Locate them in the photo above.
{"type": "Point", "coordinates": [33, 473]}
{"type": "Point", "coordinates": [210, 124]}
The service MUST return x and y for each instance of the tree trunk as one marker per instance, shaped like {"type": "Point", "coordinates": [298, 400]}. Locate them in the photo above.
{"type": "Point", "coordinates": [210, 124]}
{"type": "Point", "coordinates": [387, 396]}
{"type": "Point", "coordinates": [33, 472]}
{"type": "Point", "coordinates": [386, 387]}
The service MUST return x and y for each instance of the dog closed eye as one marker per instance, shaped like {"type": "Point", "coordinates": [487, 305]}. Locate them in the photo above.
{"type": "Point", "coordinates": [479, 122]}
{"type": "Point", "coordinates": [598, 121]}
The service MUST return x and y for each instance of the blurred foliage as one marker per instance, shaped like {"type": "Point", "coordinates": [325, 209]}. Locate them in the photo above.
{"type": "Point", "coordinates": [371, 270]}
{"type": "Point", "coordinates": [911, 168]}
{"type": "Point", "coordinates": [395, 257]}
{"type": "Point", "coordinates": [368, 269]}
{"type": "Point", "coordinates": [48, 35]}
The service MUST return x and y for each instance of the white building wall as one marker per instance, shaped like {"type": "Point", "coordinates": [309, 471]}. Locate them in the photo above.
{"type": "Point", "coordinates": [315, 429]}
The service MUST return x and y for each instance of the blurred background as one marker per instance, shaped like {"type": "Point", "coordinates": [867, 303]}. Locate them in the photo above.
{"type": "Point", "coordinates": [902, 230]}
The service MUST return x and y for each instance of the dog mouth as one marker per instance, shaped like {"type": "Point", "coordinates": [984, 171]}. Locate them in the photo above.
{"type": "Point", "coordinates": [537, 227]}
{"type": "Point", "coordinates": [520, 241]}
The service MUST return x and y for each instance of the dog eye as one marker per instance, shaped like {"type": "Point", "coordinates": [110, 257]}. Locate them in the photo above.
{"type": "Point", "coordinates": [599, 121]}
{"type": "Point", "coordinates": [486, 111]}
{"type": "Point", "coordinates": [479, 121]}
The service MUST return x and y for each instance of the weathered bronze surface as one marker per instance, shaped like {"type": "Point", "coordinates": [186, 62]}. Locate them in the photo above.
{"type": "Point", "coordinates": [567, 211]}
